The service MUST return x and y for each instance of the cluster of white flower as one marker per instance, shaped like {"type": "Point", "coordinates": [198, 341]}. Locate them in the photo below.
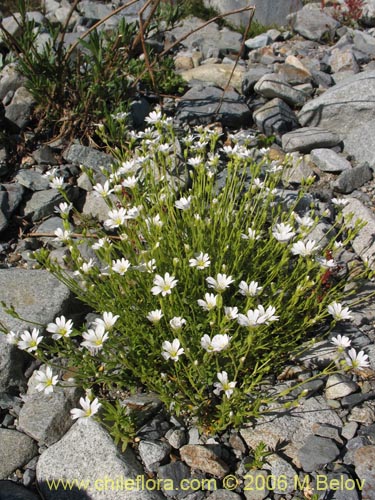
{"type": "Point", "coordinates": [353, 359]}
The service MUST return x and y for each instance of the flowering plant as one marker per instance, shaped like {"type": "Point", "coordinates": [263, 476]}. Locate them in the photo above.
{"type": "Point", "coordinates": [206, 274]}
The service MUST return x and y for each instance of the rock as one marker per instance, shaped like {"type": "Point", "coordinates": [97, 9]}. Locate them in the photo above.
{"type": "Point", "coordinates": [317, 452]}
{"type": "Point", "coordinates": [10, 79]}
{"type": "Point", "coordinates": [35, 295]}
{"type": "Point", "coordinates": [364, 415]}
{"type": "Point", "coordinates": [252, 75]}
{"type": "Point", "coordinates": [13, 491]}
{"type": "Point", "coordinates": [275, 118]}
{"type": "Point", "coordinates": [42, 204]}
{"type": "Point", "coordinates": [204, 459]}
{"type": "Point", "coordinates": [255, 484]}
{"type": "Point", "coordinates": [278, 468]}
{"type": "Point", "coordinates": [46, 417]}
{"type": "Point", "coordinates": [364, 468]}
{"type": "Point", "coordinates": [177, 472]}
{"type": "Point", "coordinates": [349, 430]}
{"type": "Point", "coordinates": [142, 407]}
{"type": "Point", "coordinates": [312, 23]}
{"type": "Point", "coordinates": [329, 161]}
{"type": "Point", "coordinates": [368, 13]}
{"type": "Point", "coordinates": [299, 171]}
{"type": "Point", "coordinates": [78, 456]}
{"type": "Point", "coordinates": [360, 143]}
{"type": "Point", "coordinates": [205, 105]}
{"type": "Point", "coordinates": [224, 495]}
{"type": "Point", "coordinates": [341, 111]}
{"type": "Point", "coordinates": [45, 155]}
{"type": "Point", "coordinates": [363, 243]}
{"type": "Point", "coordinates": [32, 180]}
{"type": "Point", "coordinates": [16, 450]}
{"type": "Point", "coordinates": [176, 438]}
{"type": "Point", "coordinates": [343, 60]}
{"type": "Point", "coordinates": [352, 179]}
{"type": "Point", "coordinates": [216, 74]}
{"type": "Point", "coordinates": [183, 62]}
{"type": "Point", "coordinates": [88, 157]}
{"type": "Point", "coordinates": [328, 431]}
{"type": "Point", "coordinates": [291, 426]}
{"type": "Point", "coordinates": [273, 85]}
{"type": "Point", "coordinates": [49, 226]}
{"type": "Point", "coordinates": [307, 138]}
{"type": "Point", "coordinates": [258, 41]}
{"type": "Point", "coordinates": [267, 12]}
{"type": "Point", "coordinates": [293, 71]}
{"type": "Point", "coordinates": [350, 489]}
{"type": "Point", "coordinates": [20, 108]}
{"type": "Point", "coordinates": [339, 386]}
{"type": "Point", "coordinates": [153, 453]}
{"type": "Point", "coordinates": [210, 40]}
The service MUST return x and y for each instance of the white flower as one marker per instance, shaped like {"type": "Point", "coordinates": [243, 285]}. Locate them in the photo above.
{"type": "Point", "coordinates": [130, 182]}
{"type": "Point", "coordinates": [183, 203]}
{"type": "Point", "coordinates": [154, 117]}
{"type": "Point", "coordinates": [231, 312]}
{"type": "Point", "coordinates": [133, 212]}
{"type": "Point", "coordinates": [341, 342]}
{"type": "Point", "coordinates": [127, 167]}
{"type": "Point", "coordinates": [100, 243]}
{"type": "Point", "coordinates": [62, 235]}
{"type": "Point", "coordinates": [195, 161]}
{"type": "Point", "coordinates": [150, 265]}
{"type": "Point", "coordinates": [64, 208]}
{"type": "Point", "coordinates": [164, 148]}
{"type": "Point", "coordinates": [250, 235]}
{"type": "Point", "coordinates": [46, 380]}
{"type": "Point", "coordinates": [221, 282]}
{"type": "Point", "coordinates": [102, 190]}
{"type": "Point", "coordinates": [172, 350]}
{"type": "Point", "coordinates": [89, 408]}
{"type": "Point", "coordinates": [56, 182]}
{"type": "Point", "coordinates": [338, 311]}
{"type": "Point", "coordinates": [50, 174]}
{"type": "Point", "coordinates": [13, 338]}
{"type": "Point", "coordinates": [177, 323]}
{"type": "Point", "coordinates": [340, 202]}
{"type": "Point", "coordinates": [257, 184]}
{"type": "Point", "coordinates": [120, 266]}
{"type": "Point", "coordinates": [163, 285]}
{"type": "Point", "coordinates": [86, 267]}
{"type": "Point", "coordinates": [357, 359]}
{"type": "Point", "coordinates": [252, 318]}
{"type": "Point", "coordinates": [60, 328]}
{"type": "Point", "coordinates": [154, 221]}
{"type": "Point", "coordinates": [94, 339]}
{"type": "Point", "coordinates": [304, 248]}
{"type": "Point", "coordinates": [155, 316]}
{"type": "Point", "coordinates": [327, 263]}
{"type": "Point", "coordinates": [218, 343]}
{"type": "Point", "coordinates": [108, 321]}
{"type": "Point", "coordinates": [224, 385]}
{"type": "Point", "coordinates": [305, 222]}
{"type": "Point", "coordinates": [200, 261]}
{"type": "Point", "coordinates": [29, 341]}
{"type": "Point", "coordinates": [283, 232]}
{"type": "Point", "coordinates": [116, 218]}
{"type": "Point", "coordinates": [250, 290]}
{"type": "Point", "coordinates": [209, 302]}
{"type": "Point", "coordinates": [268, 314]}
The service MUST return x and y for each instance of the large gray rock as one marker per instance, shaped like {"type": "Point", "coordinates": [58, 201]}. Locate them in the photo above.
{"type": "Point", "coordinates": [307, 138]}
{"type": "Point", "coordinates": [46, 417]}
{"type": "Point", "coordinates": [312, 23]}
{"type": "Point", "coordinates": [207, 104]}
{"type": "Point", "coordinates": [275, 118]}
{"type": "Point", "coordinates": [363, 243]}
{"type": "Point", "coordinates": [317, 452]}
{"type": "Point", "coordinates": [368, 13]}
{"type": "Point", "coordinates": [352, 179]}
{"type": "Point", "coordinates": [87, 453]}
{"type": "Point", "coordinates": [291, 426]}
{"type": "Point", "coordinates": [211, 41]}
{"type": "Point", "coordinates": [267, 12]}
{"type": "Point", "coordinates": [329, 161]}
{"type": "Point", "coordinates": [36, 296]}
{"type": "Point", "coordinates": [364, 468]}
{"type": "Point", "coordinates": [14, 491]}
{"type": "Point", "coordinates": [273, 85]}
{"type": "Point", "coordinates": [16, 450]}
{"type": "Point", "coordinates": [216, 74]}
{"type": "Point", "coordinates": [348, 110]}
